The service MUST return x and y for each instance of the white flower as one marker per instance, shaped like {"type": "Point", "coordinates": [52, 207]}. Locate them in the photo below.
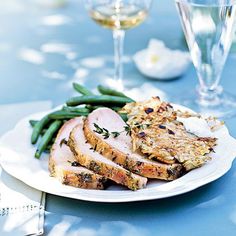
{"type": "Point", "coordinates": [160, 62]}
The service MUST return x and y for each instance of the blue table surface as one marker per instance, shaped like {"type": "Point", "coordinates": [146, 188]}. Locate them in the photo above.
{"type": "Point", "coordinates": [29, 73]}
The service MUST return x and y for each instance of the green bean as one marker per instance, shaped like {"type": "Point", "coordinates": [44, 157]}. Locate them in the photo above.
{"type": "Point", "coordinates": [61, 115]}
{"type": "Point", "coordinates": [47, 137]}
{"type": "Point", "coordinates": [109, 91]}
{"type": "Point", "coordinates": [123, 116]}
{"type": "Point", "coordinates": [33, 122]}
{"type": "Point", "coordinates": [98, 100]}
{"type": "Point", "coordinates": [38, 128]}
{"type": "Point", "coordinates": [48, 148]}
{"type": "Point", "coordinates": [92, 108]}
{"type": "Point", "coordinates": [76, 109]}
{"type": "Point", "coordinates": [43, 131]}
{"type": "Point", "coordinates": [115, 108]}
{"type": "Point", "coordinates": [53, 138]}
{"type": "Point", "coordinates": [81, 89]}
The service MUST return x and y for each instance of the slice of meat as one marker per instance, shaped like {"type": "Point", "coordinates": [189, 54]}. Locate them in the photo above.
{"type": "Point", "coordinates": [91, 159]}
{"type": "Point", "coordinates": [63, 165]}
{"type": "Point", "coordinates": [119, 149]}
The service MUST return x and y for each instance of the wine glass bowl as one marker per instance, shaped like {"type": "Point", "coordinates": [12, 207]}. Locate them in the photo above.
{"type": "Point", "coordinates": [208, 27]}
{"type": "Point", "coordinates": [118, 16]}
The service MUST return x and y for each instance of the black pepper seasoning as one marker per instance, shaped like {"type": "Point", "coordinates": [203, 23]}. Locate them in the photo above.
{"type": "Point", "coordinates": [75, 163]}
{"type": "Point", "coordinates": [171, 132]}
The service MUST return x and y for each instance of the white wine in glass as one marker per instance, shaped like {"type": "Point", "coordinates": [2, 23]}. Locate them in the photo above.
{"type": "Point", "coordinates": [208, 26]}
{"type": "Point", "coordinates": [118, 15]}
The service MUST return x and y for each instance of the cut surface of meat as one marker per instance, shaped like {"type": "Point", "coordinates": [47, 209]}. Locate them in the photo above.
{"type": "Point", "coordinates": [119, 149]}
{"type": "Point", "coordinates": [63, 165]}
{"type": "Point", "coordinates": [93, 160]}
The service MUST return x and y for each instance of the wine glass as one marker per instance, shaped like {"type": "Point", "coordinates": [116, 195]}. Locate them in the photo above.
{"type": "Point", "coordinates": [208, 26]}
{"type": "Point", "coordinates": [118, 15]}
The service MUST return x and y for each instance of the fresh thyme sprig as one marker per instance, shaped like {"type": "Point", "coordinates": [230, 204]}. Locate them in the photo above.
{"type": "Point", "coordinates": [106, 133]}
{"type": "Point", "coordinates": [127, 129]}
{"type": "Point", "coordinates": [142, 126]}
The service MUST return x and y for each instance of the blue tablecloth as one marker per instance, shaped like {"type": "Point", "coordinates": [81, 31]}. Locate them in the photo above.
{"type": "Point", "coordinates": [42, 50]}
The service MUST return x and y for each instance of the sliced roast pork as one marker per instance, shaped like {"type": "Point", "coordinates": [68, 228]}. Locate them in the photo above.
{"type": "Point", "coordinates": [88, 157]}
{"type": "Point", "coordinates": [63, 165]}
{"type": "Point", "coordinates": [105, 131]}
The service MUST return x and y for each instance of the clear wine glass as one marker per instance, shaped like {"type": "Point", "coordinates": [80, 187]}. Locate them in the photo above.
{"type": "Point", "coordinates": [208, 26]}
{"type": "Point", "coordinates": [118, 15]}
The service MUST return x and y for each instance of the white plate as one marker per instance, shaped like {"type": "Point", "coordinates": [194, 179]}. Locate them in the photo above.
{"type": "Point", "coordinates": [17, 158]}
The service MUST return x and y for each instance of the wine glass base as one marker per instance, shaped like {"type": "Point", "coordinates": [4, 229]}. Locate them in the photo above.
{"type": "Point", "coordinates": [224, 109]}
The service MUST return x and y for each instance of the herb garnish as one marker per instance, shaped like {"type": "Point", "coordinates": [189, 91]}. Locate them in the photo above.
{"type": "Point", "coordinates": [115, 134]}
{"type": "Point", "coordinates": [73, 163]}
{"type": "Point", "coordinates": [142, 126]}
{"type": "Point", "coordinates": [106, 133]}
{"type": "Point", "coordinates": [127, 129]}
{"type": "Point", "coordinates": [63, 141]}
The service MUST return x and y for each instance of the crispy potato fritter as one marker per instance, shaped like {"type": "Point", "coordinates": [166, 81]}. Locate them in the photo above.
{"type": "Point", "coordinates": [157, 133]}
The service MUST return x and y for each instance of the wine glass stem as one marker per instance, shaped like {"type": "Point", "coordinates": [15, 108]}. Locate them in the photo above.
{"type": "Point", "coordinates": [118, 36]}
{"type": "Point", "coordinates": [209, 96]}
